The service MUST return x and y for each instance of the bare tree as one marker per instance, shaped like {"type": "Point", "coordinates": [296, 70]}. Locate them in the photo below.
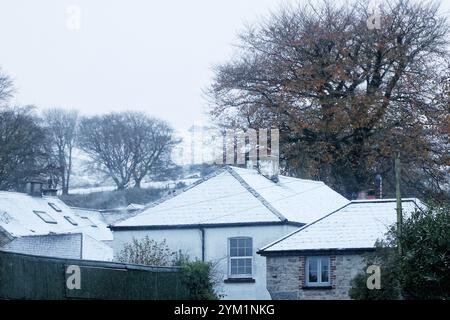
{"type": "Point", "coordinates": [6, 87]}
{"type": "Point", "coordinates": [126, 145]}
{"type": "Point", "coordinates": [23, 153]}
{"type": "Point", "coordinates": [61, 128]}
{"type": "Point", "coordinates": [153, 144]}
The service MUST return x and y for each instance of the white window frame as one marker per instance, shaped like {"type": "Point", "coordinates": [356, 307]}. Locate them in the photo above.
{"type": "Point", "coordinates": [319, 282]}
{"type": "Point", "coordinates": [230, 258]}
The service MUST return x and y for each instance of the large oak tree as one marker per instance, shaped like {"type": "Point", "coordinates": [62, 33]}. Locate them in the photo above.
{"type": "Point", "coordinates": [346, 98]}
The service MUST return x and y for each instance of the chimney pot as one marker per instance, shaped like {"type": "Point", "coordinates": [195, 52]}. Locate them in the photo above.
{"type": "Point", "coordinates": [34, 188]}
{"type": "Point", "coordinates": [51, 192]}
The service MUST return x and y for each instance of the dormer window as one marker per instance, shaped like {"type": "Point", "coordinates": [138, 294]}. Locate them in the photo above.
{"type": "Point", "coordinates": [73, 222]}
{"type": "Point", "coordinates": [54, 207]}
{"type": "Point", "coordinates": [45, 216]}
{"type": "Point", "coordinates": [92, 224]}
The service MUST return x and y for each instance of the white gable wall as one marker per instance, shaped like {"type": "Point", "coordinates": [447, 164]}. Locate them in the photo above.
{"type": "Point", "coordinates": [96, 250]}
{"type": "Point", "coordinates": [187, 240]}
{"type": "Point", "coordinates": [216, 250]}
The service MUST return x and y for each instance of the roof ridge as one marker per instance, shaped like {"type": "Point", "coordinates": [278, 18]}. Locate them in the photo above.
{"type": "Point", "coordinates": [85, 209]}
{"type": "Point", "coordinates": [173, 195]}
{"type": "Point", "coordinates": [49, 235]}
{"type": "Point", "coordinates": [255, 193]}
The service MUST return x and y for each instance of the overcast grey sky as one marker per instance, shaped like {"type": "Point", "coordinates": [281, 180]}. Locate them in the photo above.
{"type": "Point", "coordinates": [154, 56]}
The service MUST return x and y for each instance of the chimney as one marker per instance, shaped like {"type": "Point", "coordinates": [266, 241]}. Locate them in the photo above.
{"type": "Point", "coordinates": [34, 188]}
{"type": "Point", "coordinates": [269, 169]}
{"type": "Point", "coordinates": [50, 189]}
{"type": "Point", "coordinates": [371, 194]}
{"type": "Point", "coordinates": [362, 195]}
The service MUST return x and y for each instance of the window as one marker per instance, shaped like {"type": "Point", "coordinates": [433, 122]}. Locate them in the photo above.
{"type": "Point", "coordinates": [90, 222]}
{"type": "Point", "coordinates": [318, 271]}
{"type": "Point", "coordinates": [54, 207]}
{"type": "Point", "coordinates": [241, 257]}
{"type": "Point", "coordinates": [45, 216]}
{"type": "Point", "coordinates": [71, 220]}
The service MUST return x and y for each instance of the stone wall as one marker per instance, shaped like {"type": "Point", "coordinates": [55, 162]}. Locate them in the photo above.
{"type": "Point", "coordinates": [286, 277]}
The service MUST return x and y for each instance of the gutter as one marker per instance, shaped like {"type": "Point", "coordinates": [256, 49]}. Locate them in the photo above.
{"type": "Point", "coordinates": [313, 252]}
{"type": "Point", "coordinates": [205, 225]}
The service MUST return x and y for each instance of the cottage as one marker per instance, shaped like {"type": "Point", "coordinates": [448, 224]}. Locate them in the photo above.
{"type": "Point", "coordinates": [319, 260]}
{"type": "Point", "coordinates": [39, 224]}
{"type": "Point", "coordinates": [226, 217]}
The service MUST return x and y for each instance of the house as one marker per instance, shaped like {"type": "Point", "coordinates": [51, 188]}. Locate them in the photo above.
{"type": "Point", "coordinates": [39, 223]}
{"type": "Point", "coordinates": [105, 217]}
{"type": "Point", "coordinates": [319, 260]}
{"type": "Point", "coordinates": [79, 246]}
{"type": "Point", "coordinates": [226, 217]}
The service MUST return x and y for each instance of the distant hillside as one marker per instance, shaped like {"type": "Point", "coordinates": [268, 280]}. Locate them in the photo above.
{"type": "Point", "coordinates": [113, 199]}
{"type": "Point", "coordinates": [92, 189]}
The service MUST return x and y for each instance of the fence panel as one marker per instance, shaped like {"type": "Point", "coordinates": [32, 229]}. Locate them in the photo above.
{"type": "Point", "coordinates": [32, 277]}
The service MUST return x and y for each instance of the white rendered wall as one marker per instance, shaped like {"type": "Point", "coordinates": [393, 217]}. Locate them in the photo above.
{"type": "Point", "coordinates": [216, 251]}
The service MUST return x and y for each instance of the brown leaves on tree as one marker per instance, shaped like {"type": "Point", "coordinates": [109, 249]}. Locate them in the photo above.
{"type": "Point", "coordinates": [345, 98]}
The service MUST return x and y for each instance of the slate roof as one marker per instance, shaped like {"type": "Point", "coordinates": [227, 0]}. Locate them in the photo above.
{"type": "Point", "coordinates": [357, 225]}
{"type": "Point", "coordinates": [106, 216]}
{"type": "Point", "coordinates": [240, 196]}
{"type": "Point", "coordinates": [67, 246]}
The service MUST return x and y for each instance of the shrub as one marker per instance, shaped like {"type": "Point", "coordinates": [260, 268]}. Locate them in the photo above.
{"type": "Point", "coordinates": [385, 257]}
{"type": "Point", "coordinates": [425, 265]}
{"type": "Point", "coordinates": [199, 277]}
{"type": "Point", "coordinates": [422, 272]}
{"type": "Point", "coordinates": [146, 251]}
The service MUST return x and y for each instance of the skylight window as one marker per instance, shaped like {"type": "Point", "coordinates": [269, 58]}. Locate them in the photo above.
{"type": "Point", "coordinates": [90, 222]}
{"type": "Point", "coordinates": [71, 220]}
{"type": "Point", "coordinates": [45, 216]}
{"type": "Point", "coordinates": [54, 207]}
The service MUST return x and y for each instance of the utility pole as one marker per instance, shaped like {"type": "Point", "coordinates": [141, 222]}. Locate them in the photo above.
{"type": "Point", "coordinates": [399, 202]}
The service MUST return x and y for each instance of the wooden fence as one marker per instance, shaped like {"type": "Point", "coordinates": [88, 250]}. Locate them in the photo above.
{"type": "Point", "coordinates": [34, 277]}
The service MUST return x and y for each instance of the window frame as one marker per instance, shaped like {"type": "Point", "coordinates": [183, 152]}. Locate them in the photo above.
{"type": "Point", "coordinates": [54, 206]}
{"type": "Point", "coordinates": [230, 258]}
{"type": "Point", "coordinates": [43, 216]}
{"type": "Point", "coordinates": [71, 220]}
{"type": "Point", "coordinates": [319, 282]}
{"type": "Point", "coordinates": [91, 223]}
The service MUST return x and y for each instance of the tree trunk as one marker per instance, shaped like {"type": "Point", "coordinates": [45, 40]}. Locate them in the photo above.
{"type": "Point", "coordinates": [65, 192]}
{"type": "Point", "coordinates": [137, 183]}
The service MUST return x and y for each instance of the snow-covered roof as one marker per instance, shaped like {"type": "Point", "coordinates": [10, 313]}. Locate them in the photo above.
{"type": "Point", "coordinates": [357, 225]}
{"type": "Point", "coordinates": [24, 215]}
{"type": "Point", "coordinates": [68, 246]}
{"type": "Point", "coordinates": [235, 195]}
{"type": "Point", "coordinates": [106, 216]}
